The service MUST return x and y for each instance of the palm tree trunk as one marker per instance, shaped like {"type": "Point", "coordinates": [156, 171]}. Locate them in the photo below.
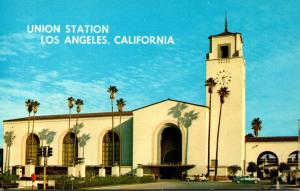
{"type": "Point", "coordinates": [28, 130]}
{"type": "Point", "coordinates": [217, 147]}
{"type": "Point", "coordinates": [113, 133]}
{"type": "Point", "coordinates": [120, 138]}
{"type": "Point", "coordinates": [74, 151]}
{"type": "Point", "coordinates": [33, 158]}
{"type": "Point", "coordinates": [186, 145]}
{"type": "Point", "coordinates": [6, 157]}
{"type": "Point", "coordinates": [69, 137]}
{"type": "Point", "coordinates": [208, 144]}
{"type": "Point", "coordinates": [82, 152]}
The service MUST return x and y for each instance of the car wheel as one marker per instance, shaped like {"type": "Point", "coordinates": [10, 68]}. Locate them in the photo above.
{"type": "Point", "coordinates": [255, 181]}
{"type": "Point", "coordinates": [238, 181]}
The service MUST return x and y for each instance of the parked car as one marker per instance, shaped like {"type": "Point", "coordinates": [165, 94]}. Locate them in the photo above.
{"type": "Point", "coordinates": [245, 179]}
{"type": "Point", "coordinates": [196, 178]}
{"type": "Point", "coordinates": [202, 178]}
{"type": "Point", "coordinates": [190, 178]}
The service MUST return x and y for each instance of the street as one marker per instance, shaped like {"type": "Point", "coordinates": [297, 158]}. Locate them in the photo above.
{"type": "Point", "coordinates": [178, 184]}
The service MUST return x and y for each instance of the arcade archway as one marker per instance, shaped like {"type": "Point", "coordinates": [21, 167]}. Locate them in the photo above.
{"type": "Point", "coordinates": [267, 163]}
{"type": "Point", "coordinates": [293, 160]}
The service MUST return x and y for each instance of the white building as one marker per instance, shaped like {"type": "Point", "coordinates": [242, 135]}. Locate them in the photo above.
{"type": "Point", "coordinates": [166, 137]}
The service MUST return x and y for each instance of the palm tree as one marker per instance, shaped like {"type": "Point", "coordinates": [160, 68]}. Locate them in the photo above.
{"type": "Point", "coordinates": [76, 130]}
{"type": "Point", "coordinates": [223, 93]}
{"type": "Point", "coordinates": [112, 90]}
{"type": "Point", "coordinates": [35, 106]}
{"type": "Point", "coordinates": [186, 121]}
{"type": "Point", "coordinates": [28, 104]}
{"type": "Point", "coordinates": [78, 104]}
{"type": "Point", "coordinates": [8, 139]}
{"type": "Point", "coordinates": [256, 125]}
{"type": "Point", "coordinates": [82, 141]}
{"type": "Point", "coordinates": [210, 83]}
{"type": "Point", "coordinates": [70, 105]}
{"type": "Point", "coordinates": [121, 104]}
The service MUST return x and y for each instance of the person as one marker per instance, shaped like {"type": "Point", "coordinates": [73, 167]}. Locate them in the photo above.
{"type": "Point", "coordinates": [34, 183]}
{"type": "Point", "coordinates": [288, 178]}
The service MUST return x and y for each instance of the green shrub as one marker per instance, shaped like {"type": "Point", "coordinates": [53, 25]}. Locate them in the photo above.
{"type": "Point", "coordinates": [65, 182]}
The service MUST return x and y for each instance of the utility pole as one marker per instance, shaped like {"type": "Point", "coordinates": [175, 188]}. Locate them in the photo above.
{"type": "Point", "coordinates": [45, 167]}
{"type": "Point", "coordinates": [45, 151]}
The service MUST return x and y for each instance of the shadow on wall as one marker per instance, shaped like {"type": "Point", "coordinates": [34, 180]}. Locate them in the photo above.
{"type": "Point", "coordinates": [126, 127]}
{"type": "Point", "coordinates": [184, 119]}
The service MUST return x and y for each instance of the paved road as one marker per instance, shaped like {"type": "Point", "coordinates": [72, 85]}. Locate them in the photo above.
{"type": "Point", "coordinates": [177, 184]}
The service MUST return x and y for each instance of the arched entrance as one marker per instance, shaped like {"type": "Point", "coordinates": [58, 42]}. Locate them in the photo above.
{"type": "Point", "coordinates": [267, 163]}
{"type": "Point", "coordinates": [171, 151]}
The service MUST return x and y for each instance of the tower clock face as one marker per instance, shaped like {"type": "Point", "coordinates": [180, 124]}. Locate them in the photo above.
{"type": "Point", "coordinates": [223, 78]}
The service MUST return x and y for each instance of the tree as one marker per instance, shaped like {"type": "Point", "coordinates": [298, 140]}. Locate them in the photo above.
{"type": "Point", "coordinates": [121, 104]}
{"type": "Point", "coordinates": [256, 125]}
{"type": "Point", "coordinates": [233, 169]}
{"type": "Point", "coordinates": [210, 83]}
{"type": "Point", "coordinates": [28, 104]}
{"type": "Point", "coordinates": [35, 106]}
{"type": "Point", "coordinates": [112, 90]}
{"type": "Point", "coordinates": [283, 166]}
{"type": "Point", "coordinates": [78, 104]}
{"type": "Point", "coordinates": [70, 106]}
{"type": "Point", "coordinates": [223, 93]}
{"type": "Point", "coordinates": [252, 167]}
{"type": "Point", "coordinates": [9, 138]}
{"type": "Point", "coordinates": [82, 141]}
{"type": "Point", "coordinates": [249, 135]}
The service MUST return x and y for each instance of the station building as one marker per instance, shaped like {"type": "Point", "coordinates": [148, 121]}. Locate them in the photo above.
{"type": "Point", "coordinates": [168, 137]}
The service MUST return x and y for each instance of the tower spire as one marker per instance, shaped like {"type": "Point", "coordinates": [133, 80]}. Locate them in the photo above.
{"type": "Point", "coordinates": [226, 25]}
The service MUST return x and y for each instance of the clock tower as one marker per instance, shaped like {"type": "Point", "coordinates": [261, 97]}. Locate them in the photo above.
{"type": "Point", "coordinates": [225, 63]}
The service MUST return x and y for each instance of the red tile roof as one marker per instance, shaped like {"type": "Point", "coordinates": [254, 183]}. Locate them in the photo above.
{"type": "Point", "coordinates": [271, 139]}
{"type": "Point", "coordinates": [66, 116]}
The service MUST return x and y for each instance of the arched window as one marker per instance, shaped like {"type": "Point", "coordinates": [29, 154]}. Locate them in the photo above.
{"type": "Point", "coordinates": [68, 149]}
{"type": "Point", "coordinates": [32, 144]}
{"type": "Point", "coordinates": [107, 149]}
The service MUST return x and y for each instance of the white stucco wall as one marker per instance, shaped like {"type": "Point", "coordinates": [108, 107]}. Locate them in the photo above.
{"type": "Point", "coordinates": [281, 149]}
{"type": "Point", "coordinates": [97, 127]}
{"type": "Point", "coordinates": [150, 121]}
{"type": "Point", "coordinates": [232, 129]}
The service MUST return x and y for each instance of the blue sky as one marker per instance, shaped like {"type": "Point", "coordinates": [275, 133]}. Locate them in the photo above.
{"type": "Point", "coordinates": [146, 74]}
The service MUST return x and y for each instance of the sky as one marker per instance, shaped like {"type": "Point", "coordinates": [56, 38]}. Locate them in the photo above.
{"type": "Point", "coordinates": [149, 73]}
